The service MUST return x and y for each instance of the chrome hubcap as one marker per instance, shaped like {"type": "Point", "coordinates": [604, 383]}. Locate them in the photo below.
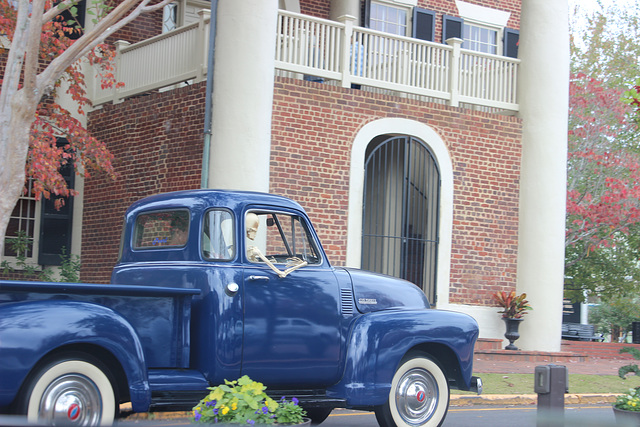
{"type": "Point", "coordinates": [417, 396]}
{"type": "Point", "coordinates": [71, 399]}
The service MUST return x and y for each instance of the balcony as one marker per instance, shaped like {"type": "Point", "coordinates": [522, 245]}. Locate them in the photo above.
{"type": "Point", "coordinates": [335, 53]}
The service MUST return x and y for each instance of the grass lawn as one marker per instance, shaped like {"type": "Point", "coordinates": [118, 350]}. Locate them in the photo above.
{"type": "Point", "coordinates": [578, 383]}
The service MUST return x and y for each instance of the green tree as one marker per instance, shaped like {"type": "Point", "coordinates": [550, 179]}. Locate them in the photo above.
{"type": "Point", "coordinates": [615, 315]}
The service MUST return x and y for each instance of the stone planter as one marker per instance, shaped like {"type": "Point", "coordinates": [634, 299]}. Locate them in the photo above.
{"type": "Point", "coordinates": [512, 333]}
{"type": "Point", "coordinates": [626, 418]}
{"type": "Point", "coordinates": [306, 422]}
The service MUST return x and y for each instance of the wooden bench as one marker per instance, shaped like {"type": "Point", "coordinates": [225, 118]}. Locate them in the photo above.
{"type": "Point", "coordinates": [580, 332]}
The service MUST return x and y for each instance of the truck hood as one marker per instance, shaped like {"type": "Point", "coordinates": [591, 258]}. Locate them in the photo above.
{"type": "Point", "coordinates": [375, 292]}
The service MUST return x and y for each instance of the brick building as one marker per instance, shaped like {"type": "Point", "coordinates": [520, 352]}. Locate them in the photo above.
{"type": "Point", "coordinates": [419, 139]}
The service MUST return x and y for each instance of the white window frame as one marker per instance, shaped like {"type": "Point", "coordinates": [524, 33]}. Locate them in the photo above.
{"type": "Point", "coordinates": [485, 18]}
{"type": "Point", "coordinates": [169, 22]}
{"type": "Point", "coordinates": [468, 43]}
{"type": "Point", "coordinates": [35, 241]}
{"type": "Point", "coordinates": [402, 6]}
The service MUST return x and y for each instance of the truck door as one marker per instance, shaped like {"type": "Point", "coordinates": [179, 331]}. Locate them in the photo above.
{"type": "Point", "coordinates": [291, 304]}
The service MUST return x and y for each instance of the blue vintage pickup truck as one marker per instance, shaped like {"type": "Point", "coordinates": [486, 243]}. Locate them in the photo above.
{"type": "Point", "coordinates": [212, 285]}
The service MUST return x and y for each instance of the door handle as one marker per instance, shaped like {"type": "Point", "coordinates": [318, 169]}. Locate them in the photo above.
{"type": "Point", "coordinates": [254, 278]}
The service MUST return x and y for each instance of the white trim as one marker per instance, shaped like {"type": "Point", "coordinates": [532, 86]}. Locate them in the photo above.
{"type": "Point", "coordinates": [428, 135]}
{"type": "Point", "coordinates": [482, 14]}
{"type": "Point", "coordinates": [411, 3]}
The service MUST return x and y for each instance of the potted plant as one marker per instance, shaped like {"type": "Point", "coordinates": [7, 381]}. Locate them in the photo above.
{"type": "Point", "coordinates": [513, 308]}
{"type": "Point", "coordinates": [627, 407]}
{"type": "Point", "coordinates": [244, 401]}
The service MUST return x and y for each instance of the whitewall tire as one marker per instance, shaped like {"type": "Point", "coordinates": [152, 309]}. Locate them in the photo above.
{"type": "Point", "coordinates": [419, 395]}
{"type": "Point", "coordinates": [71, 390]}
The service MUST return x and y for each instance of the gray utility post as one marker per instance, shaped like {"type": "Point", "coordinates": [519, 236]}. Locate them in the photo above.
{"type": "Point", "coordinates": [551, 384]}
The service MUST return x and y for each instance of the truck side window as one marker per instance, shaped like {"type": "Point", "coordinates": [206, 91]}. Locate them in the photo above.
{"type": "Point", "coordinates": [280, 237]}
{"type": "Point", "coordinates": [161, 229]}
{"type": "Point", "coordinates": [218, 235]}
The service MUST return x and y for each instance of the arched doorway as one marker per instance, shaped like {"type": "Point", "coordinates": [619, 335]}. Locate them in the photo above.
{"type": "Point", "coordinates": [400, 211]}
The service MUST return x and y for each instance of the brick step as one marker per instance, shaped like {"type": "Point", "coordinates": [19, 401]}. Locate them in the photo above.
{"type": "Point", "coordinates": [531, 356]}
{"type": "Point", "coordinates": [488, 344]}
{"type": "Point", "coordinates": [603, 350]}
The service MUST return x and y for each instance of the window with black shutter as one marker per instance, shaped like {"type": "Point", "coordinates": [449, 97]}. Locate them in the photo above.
{"type": "Point", "coordinates": [451, 28]}
{"type": "Point", "coordinates": [511, 41]}
{"type": "Point", "coordinates": [55, 224]}
{"type": "Point", "coordinates": [424, 27]}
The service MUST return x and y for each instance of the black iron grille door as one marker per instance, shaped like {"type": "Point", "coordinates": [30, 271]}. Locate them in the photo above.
{"type": "Point", "coordinates": [400, 217]}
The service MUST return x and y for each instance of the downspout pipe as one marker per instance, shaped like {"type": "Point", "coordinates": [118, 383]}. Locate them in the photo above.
{"type": "Point", "coordinates": [208, 107]}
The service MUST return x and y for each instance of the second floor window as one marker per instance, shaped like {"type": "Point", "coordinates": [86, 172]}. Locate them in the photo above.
{"type": "Point", "coordinates": [170, 17]}
{"type": "Point", "coordinates": [480, 38]}
{"type": "Point", "coordinates": [388, 18]}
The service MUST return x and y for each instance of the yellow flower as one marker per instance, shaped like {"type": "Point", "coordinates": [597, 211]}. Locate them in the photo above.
{"type": "Point", "coordinates": [234, 406]}
{"type": "Point", "coordinates": [225, 410]}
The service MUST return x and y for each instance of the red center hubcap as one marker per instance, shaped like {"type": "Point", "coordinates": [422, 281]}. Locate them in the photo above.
{"type": "Point", "coordinates": [73, 412]}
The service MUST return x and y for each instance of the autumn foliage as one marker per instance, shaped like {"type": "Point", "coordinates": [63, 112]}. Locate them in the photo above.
{"type": "Point", "coordinates": [52, 121]}
{"type": "Point", "coordinates": [603, 197]}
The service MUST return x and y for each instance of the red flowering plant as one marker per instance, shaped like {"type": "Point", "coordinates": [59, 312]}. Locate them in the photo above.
{"type": "Point", "coordinates": [513, 307]}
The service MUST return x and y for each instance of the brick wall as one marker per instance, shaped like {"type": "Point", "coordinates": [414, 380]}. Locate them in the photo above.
{"type": "Point", "coordinates": [157, 141]}
{"type": "Point", "coordinates": [317, 8]}
{"type": "Point", "coordinates": [313, 128]}
{"type": "Point", "coordinates": [143, 27]}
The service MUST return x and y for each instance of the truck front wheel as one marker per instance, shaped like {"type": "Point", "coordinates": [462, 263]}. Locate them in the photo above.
{"type": "Point", "coordinates": [70, 390]}
{"type": "Point", "coordinates": [419, 395]}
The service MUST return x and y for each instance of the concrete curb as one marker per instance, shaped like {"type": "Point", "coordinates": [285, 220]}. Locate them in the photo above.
{"type": "Point", "coordinates": [529, 399]}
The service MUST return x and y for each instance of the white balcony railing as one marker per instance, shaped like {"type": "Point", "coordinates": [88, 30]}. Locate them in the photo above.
{"type": "Point", "coordinates": [337, 52]}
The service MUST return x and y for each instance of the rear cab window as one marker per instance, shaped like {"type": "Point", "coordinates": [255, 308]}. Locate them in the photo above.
{"type": "Point", "coordinates": [166, 229]}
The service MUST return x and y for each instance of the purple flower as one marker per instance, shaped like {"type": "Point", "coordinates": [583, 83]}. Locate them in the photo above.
{"type": "Point", "coordinates": [251, 422]}
{"type": "Point", "coordinates": [212, 403]}
{"type": "Point", "coordinates": [265, 410]}
{"type": "Point", "coordinates": [197, 416]}
{"type": "Point", "coordinates": [294, 400]}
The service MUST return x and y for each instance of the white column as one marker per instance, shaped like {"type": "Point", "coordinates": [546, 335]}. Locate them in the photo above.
{"type": "Point", "coordinates": [243, 94]}
{"type": "Point", "coordinates": [544, 97]}
{"type": "Point", "coordinates": [345, 7]}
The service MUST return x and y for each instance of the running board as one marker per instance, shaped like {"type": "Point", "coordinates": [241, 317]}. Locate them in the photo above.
{"type": "Point", "coordinates": [176, 390]}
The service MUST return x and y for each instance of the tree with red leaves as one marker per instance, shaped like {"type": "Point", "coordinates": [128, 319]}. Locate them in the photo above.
{"type": "Point", "coordinates": [45, 54]}
{"type": "Point", "coordinates": [603, 194]}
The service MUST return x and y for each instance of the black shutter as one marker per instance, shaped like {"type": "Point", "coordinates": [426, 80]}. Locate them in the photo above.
{"type": "Point", "coordinates": [451, 27]}
{"type": "Point", "coordinates": [55, 225]}
{"type": "Point", "coordinates": [367, 14]}
{"type": "Point", "coordinates": [510, 42]}
{"type": "Point", "coordinates": [424, 24]}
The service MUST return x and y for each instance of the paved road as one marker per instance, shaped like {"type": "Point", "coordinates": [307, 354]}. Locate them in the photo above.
{"type": "Point", "coordinates": [490, 416]}
{"type": "Point", "coordinates": [483, 416]}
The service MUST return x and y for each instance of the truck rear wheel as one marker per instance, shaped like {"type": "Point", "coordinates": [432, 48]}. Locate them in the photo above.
{"type": "Point", "coordinates": [70, 389]}
{"type": "Point", "coordinates": [419, 395]}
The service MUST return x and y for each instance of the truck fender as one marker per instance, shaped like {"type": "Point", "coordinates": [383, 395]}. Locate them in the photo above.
{"type": "Point", "coordinates": [29, 331]}
{"type": "Point", "coordinates": [378, 342]}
